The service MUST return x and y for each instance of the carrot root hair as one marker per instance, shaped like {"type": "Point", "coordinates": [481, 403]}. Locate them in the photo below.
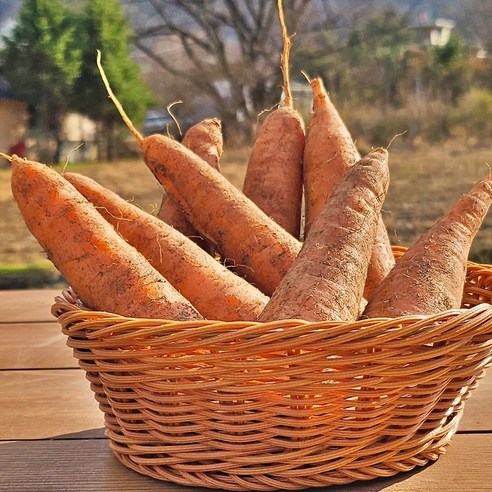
{"type": "Point", "coordinates": [118, 105]}
{"type": "Point", "coordinates": [306, 76]}
{"type": "Point", "coordinates": [267, 110]}
{"type": "Point", "coordinates": [168, 109]}
{"type": "Point", "coordinates": [6, 156]}
{"type": "Point", "coordinates": [67, 159]}
{"type": "Point", "coordinates": [394, 138]}
{"type": "Point", "coordinates": [489, 168]}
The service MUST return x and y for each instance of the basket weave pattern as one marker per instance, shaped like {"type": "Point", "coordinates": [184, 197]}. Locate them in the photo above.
{"type": "Point", "coordinates": [287, 404]}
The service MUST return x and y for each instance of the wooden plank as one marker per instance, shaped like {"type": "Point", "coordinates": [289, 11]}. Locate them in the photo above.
{"type": "Point", "coordinates": [477, 415]}
{"type": "Point", "coordinates": [81, 465]}
{"type": "Point", "coordinates": [34, 346]}
{"type": "Point", "coordinates": [47, 403]}
{"type": "Point", "coordinates": [88, 465]}
{"type": "Point", "coordinates": [27, 305]}
{"type": "Point", "coordinates": [465, 466]}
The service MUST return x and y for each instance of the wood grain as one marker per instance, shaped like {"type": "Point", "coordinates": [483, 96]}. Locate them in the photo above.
{"type": "Point", "coordinates": [34, 346]}
{"type": "Point", "coordinates": [478, 415]}
{"type": "Point", "coordinates": [46, 404]}
{"type": "Point", "coordinates": [27, 305]}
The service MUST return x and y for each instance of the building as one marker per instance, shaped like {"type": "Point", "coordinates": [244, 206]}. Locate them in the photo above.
{"type": "Point", "coordinates": [15, 116]}
{"type": "Point", "coordinates": [436, 32]}
{"type": "Point", "coordinates": [14, 119]}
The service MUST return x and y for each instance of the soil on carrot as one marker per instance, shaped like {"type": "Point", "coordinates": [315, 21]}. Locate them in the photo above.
{"type": "Point", "coordinates": [130, 178]}
{"type": "Point", "coordinates": [424, 183]}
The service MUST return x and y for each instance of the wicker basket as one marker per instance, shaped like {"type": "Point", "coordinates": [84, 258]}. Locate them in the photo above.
{"type": "Point", "coordinates": [282, 405]}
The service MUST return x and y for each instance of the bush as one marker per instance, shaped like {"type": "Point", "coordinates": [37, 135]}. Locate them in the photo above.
{"type": "Point", "coordinates": [429, 122]}
{"type": "Point", "coordinates": [31, 276]}
{"type": "Point", "coordinates": [474, 114]}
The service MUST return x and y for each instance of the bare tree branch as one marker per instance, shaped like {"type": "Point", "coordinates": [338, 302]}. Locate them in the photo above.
{"type": "Point", "coordinates": [233, 42]}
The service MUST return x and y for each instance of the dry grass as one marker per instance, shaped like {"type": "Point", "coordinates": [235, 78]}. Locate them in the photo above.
{"type": "Point", "coordinates": [424, 184]}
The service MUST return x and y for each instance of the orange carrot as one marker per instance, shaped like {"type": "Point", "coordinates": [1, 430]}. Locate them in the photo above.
{"type": "Point", "coordinates": [430, 276]}
{"type": "Point", "coordinates": [104, 270]}
{"type": "Point", "coordinates": [261, 250]}
{"type": "Point", "coordinates": [382, 260]}
{"type": "Point", "coordinates": [273, 178]}
{"type": "Point", "coordinates": [214, 290]}
{"type": "Point", "coordinates": [205, 140]}
{"type": "Point", "coordinates": [329, 153]}
{"type": "Point", "coordinates": [326, 281]}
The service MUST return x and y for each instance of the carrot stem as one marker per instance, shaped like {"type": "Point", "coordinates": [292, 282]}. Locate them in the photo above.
{"type": "Point", "coordinates": [284, 58]}
{"type": "Point", "coordinates": [5, 156]}
{"type": "Point", "coordinates": [118, 105]}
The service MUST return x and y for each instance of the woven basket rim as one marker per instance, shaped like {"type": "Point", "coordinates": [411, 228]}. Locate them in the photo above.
{"type": "Point", "coordinates": [69, 301]}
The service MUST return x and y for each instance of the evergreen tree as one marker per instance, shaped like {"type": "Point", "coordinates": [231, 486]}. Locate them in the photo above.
{"type": "Point", "coordinates": [102, 25]}
{"type": "Point", "coordinates": [40, 62]}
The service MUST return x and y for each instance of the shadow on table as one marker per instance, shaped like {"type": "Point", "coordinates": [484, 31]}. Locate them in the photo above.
{"type": "Point", "coordinates": [83, 462]}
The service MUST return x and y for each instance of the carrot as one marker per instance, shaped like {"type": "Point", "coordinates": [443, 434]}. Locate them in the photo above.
{"type": "Point", "coordinates": [261, 250]}
{"type": "Point", "coordinates": [382, 260]}
{"type": "Point", "coordinates": [205, 140]}
{"type": "Point", "coordinates": [329, 153]}
{"type": "Point", "coordinates": [430, 276]}
{"type": "Point", "coordinates": [273, 178]}
{"type": "Point", "coordinates": [214, 290]}
{"type": "Point", "coordinates": [326, 281]}
{"type": "Point", "coordinates": [106, 272]}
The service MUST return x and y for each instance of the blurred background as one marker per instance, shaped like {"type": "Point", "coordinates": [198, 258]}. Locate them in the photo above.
{"type": "Point", "coordinates": [422, 69]}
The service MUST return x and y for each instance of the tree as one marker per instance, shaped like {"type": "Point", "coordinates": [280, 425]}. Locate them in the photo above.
{"type": "Point", "coordinates": [377, 53]}
{"type": "Point", "coordinates": [40, 61]}
{"type": "Point", "coordinates": [102, 24]}
{"type": "Point", "coordinates": [361, 60]}
{"type": "Point", "coordinates": [228, 50]}
{"type": "Point", "coordinates": [449, 72]}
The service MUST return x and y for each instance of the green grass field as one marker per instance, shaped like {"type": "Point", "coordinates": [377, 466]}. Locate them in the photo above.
{"type": "Point", "coordinates": [424, 183]}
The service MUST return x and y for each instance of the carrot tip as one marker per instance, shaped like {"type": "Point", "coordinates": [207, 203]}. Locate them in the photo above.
{"type": "Point", "coordinates": [138, 136]}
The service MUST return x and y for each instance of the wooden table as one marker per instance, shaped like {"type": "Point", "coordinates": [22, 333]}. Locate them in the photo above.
{"type": "Point", "coordinates": [52, 436]}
